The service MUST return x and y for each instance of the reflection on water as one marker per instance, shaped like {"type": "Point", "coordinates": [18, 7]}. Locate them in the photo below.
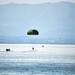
{"type": "Point", "coordinates": [20, 63]}
{"type": "Point", "coordinates": [37, 68]}
{"type": "Point", "coordinates": [47, 60]}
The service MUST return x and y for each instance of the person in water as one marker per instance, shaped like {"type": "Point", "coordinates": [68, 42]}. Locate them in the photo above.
{"type": "Point", "coordinates": [32, 48]}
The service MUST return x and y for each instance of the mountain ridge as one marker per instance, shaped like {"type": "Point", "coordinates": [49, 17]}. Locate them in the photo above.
{"type": "Point", "coordinates": [38, 3]}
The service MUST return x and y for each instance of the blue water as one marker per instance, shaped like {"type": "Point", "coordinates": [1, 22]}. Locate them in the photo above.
{"type": "Point", "coordinates": [28, 68]}
{"type": "Point", "coordinates": [17, 63]}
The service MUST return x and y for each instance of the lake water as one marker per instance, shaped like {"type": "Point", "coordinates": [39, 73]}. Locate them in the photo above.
{"type": "Point", "coordinates": [50, 60]}
{"type": "Point", "coordinates": [22, 68]}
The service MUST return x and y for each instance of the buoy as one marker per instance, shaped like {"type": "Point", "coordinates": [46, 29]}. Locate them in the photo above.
{"type": "Point", "coordinates": [42, 45]}
{"type": "Point", "coordinates": [32, 48]}
{"type": "Point", "coordinates": [7, 50]}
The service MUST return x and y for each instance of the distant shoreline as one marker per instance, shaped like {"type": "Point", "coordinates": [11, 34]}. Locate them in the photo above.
{"type": "Point", "coordinates": [32, 44]}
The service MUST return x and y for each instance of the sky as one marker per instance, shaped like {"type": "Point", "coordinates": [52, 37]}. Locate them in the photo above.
{"type": "Point", "coordinates": [60, 21]}
{"type": "Point", "coordinates": [32, 1]}
{"type": "Point", "coordinates": [54, 20]}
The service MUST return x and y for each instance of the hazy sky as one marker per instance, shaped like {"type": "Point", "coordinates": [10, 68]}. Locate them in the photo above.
{"type": "Point", "coordinates": [32, 1]}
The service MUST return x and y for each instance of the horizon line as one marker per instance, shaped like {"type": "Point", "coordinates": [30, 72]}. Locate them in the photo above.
{"type": "Point", "coordinates": [38, 3]}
